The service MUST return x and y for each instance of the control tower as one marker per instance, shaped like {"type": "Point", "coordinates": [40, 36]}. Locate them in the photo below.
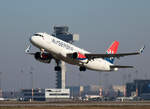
{"type": "Point", "coordinates": [62, 32]}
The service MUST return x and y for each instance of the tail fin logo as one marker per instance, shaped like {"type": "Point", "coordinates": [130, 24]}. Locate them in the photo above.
{"type": "Point", "coordinates": [112, 50]}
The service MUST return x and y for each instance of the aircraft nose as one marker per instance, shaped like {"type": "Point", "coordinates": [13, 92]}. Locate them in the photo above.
{"type": "Point", "coordinates": [32, 39]}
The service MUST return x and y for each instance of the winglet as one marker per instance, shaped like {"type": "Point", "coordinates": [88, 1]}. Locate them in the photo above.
{"type": "Point", "coordinates": [27, 50]}
{"type": "Point", "coordinates": [141, 49]}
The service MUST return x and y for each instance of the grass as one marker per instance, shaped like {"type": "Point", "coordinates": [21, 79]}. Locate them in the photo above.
{"type": "Point", "coordinates": [79, 107]}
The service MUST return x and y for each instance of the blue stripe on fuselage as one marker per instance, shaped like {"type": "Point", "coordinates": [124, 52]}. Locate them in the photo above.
{"type": "Point", "coordinates": [81, 58]}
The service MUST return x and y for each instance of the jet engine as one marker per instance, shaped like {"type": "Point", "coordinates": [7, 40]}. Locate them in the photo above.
{"type": "Point", "coordinates": [79, 56]}
{"type": "Point", "coordinates": [43, 57]}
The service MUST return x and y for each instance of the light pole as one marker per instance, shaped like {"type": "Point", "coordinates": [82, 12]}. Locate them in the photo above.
{"type": "Point", "coordinates": [31, 73]}
{"type": "Point", "coordinates": [32, 82]}
{"type": "Point", "coordinates": [0, 84]}
{"type": "Point", "coordinates": [0, 80]}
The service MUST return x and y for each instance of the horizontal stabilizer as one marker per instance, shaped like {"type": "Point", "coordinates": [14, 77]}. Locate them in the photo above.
{"type": "Point", "coordinates": [119, 66]}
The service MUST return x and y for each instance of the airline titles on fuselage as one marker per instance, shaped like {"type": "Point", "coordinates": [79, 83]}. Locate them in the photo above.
{"type": "Point", "coordinates": [62, 44]}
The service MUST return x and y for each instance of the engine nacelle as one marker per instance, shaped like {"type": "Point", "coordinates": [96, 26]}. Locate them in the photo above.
{"type": "Point", "coordinates": [79, 56]}
{"type": "Point", "coordinates": [75, 55]}
{"type": "Point", "coordinates": [44, 57]}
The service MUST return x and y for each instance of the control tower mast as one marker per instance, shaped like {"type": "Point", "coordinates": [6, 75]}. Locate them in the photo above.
{"type": "Point", "coordinates": [62, 32]}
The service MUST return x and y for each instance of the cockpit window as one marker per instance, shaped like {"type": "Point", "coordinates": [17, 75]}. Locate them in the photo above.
{"type": "Point", "coordinates": [38, 35]}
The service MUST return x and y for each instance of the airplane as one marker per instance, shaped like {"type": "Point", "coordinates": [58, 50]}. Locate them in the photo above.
{"type": "Point", "coordinates": [54, 48]}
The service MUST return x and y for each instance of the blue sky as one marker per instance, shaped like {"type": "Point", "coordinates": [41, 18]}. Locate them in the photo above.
{"type": "Point", "coordinates": [98, 22]}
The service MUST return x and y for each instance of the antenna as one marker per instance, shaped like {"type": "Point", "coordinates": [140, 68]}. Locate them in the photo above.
{"type": "Point", "coordinates": [0, 84]}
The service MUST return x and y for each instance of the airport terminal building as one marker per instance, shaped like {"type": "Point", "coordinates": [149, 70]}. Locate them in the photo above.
{"type": "Point", "coordinates": [139, 88]}
{"type": "Point", "coordinates": [44, 94]}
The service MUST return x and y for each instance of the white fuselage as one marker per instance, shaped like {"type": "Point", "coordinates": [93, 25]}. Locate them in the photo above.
{"type": "Point", "coordinates": [59, 50]}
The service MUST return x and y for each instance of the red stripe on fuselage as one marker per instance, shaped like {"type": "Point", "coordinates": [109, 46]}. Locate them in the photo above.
{"type": "Point", "coordinates": [81, 55]}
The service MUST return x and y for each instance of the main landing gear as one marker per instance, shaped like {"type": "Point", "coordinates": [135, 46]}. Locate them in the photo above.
{"type": "Point", "coordinates": [82, 68]}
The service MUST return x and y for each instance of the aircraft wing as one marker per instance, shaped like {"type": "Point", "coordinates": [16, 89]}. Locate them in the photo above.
{"type": "Point", "coordinates": [119, 66]}
{"type": "Point", "coordinates": [92, 56]}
